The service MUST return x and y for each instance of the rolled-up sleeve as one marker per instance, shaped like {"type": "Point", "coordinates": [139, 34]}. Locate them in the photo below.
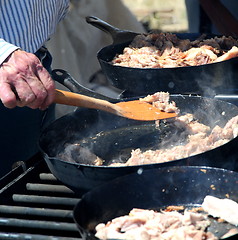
{"type": "Point", "coordinates": [6, 49]}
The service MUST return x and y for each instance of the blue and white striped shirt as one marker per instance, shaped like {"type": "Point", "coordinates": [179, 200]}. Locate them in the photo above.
{"type": "Point", "coordinates": [28, 24]}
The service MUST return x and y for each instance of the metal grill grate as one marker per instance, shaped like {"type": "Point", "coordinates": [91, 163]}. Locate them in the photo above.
{"type": "Point", "coordinates": [34, 205]}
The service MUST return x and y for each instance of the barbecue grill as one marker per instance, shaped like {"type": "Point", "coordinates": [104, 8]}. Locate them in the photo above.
{"type": "Point", "coordinates": [35, 205]}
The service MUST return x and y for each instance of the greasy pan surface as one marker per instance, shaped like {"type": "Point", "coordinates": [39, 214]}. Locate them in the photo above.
{"type": "Point", "coordinates": [106, 135]}
{"type": "Point", "coordinates": [155, 189]}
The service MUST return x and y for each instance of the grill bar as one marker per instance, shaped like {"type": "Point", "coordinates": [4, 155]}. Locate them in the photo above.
{"type": "Point", "coordinates": [48, 188]}
{"type": "Point", "coordinates": [34, 205]}
{"type": "Point", "coordinates": [48, 225]}
{"type": "Point", "coordinates": [43, 212]}
{"type": "Point", "coordinates": [45, 200]}
{"type": "Point", "coordinates": [6, 187]}
{"type": "Point", "coordinates": [22, 236]}
{"type": "Point", "coordinates": [47, 177]}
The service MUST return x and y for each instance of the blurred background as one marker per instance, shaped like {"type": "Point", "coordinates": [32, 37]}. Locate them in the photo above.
{"type": "Point", "coordinates": [168, 16]}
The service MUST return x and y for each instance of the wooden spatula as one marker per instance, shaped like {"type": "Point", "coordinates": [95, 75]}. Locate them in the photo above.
{"type": "Point", "coordinates": [135, 109]}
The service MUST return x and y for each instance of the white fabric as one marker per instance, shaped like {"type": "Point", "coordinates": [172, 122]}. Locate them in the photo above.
{"type": "Point", "coordinates": [29, 23]}
{"type": "Point", "coordinates": [5, 50]}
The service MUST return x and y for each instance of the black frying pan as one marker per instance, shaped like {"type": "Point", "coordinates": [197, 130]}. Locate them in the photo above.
{"type": "Point", "coordinates": [107, 136]}
{"type": "Point", "coordinates": [206, 79]}
{"type": "Point", "coordinates": [155, 189]}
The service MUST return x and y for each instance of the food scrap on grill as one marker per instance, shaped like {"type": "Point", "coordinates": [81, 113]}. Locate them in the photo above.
{"type": "Point", "coordinates": [166, 50]}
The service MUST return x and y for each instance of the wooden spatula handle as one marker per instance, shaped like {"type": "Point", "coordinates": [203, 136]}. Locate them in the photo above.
{"type": "Point", "coordinates": [78, 100]}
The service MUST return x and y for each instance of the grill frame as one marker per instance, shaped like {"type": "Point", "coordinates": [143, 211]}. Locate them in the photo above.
{"type": "Point", "coordinates": [35, 205]}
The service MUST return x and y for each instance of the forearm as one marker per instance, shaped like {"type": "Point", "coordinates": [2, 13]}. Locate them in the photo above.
{"type": "Point", "coordinates": [224, 21]}
{"type": "Point", "coordinates": [5, 50]}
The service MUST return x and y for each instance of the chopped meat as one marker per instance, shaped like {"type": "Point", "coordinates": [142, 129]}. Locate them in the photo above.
{"type": "Point", "coordinates": [184, 119]}
{"type": "Point", "coordinates": [161, 101]}
{"type": "Point", "coordinates": [199, 56]}
{"type": "Point", "coordinates": [226, 209]}
{"type": "Point", "coordinates": [166, 50]}
{"type": "Point", "coordinates": [196, 127]}
{"type": "Point", "coordinates": [149, 224]}
{"type": "Point", "coordinates": [228, 55]}
{"type": "Point", "coordinates": [195, 137]}
{"type": "Point", "coordinates": [198, 140]}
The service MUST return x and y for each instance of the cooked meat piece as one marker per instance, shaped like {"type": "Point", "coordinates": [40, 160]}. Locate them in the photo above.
{"type": "Point", "coordinates": [196, 127]}
{"type": "Point", "coordinates": [161, 101]}
{"type": "Point", "coordinates": [184, 119]}
{"type": "Point", "coordinates": [184, 45]}
{"type": "Point", "coordinates": [199, 56]}
{"type": "Point", "coordinates": [226, 209]}
{"type": "Point", "coordinates": [211, 44]}
{"type": "Point", "coordinates": [158, 96]}
{"type": "Point", "coordinates": [231, 128]}
{"type": "Point", "coordinates": [226, 43]}
{"type": "Point", "coordinates": [140, 41]}
{"type": "Point", "coordinates": [141, 58]}
{"type": "Point", "coordinates": [216, 134]}
{"type": "Point", "coordinates": [143, 224]}
{"type": "Point", "coordinates": [228, 55]}
{"type": "Point", "coordinates": [166, 50]}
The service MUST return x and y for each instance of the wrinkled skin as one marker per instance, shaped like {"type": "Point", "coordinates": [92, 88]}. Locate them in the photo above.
{"type": "Point", "coordinates": [25, 82]}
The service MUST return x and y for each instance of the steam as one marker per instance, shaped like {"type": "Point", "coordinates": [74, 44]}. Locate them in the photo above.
{"type": "Point", "coordinates": [90, 137]}
{"type": "Point", "coordinates": [216, 78]}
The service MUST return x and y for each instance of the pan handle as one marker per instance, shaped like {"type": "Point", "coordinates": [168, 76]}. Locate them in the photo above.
{"type": "Point", "coordinates": [118, 35]}
{"type": "Point", "coordinates": [102, 25]}
{"type": "Point", "coordinates": [64, 78]}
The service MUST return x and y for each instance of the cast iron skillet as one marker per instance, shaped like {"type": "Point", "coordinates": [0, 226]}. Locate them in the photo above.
{"type": "Point", "coordinates": [107, 136]}
{"type": "Point", "coordinates": [209, 79]}
{"type": "Point", "coordinates": [155, 189]}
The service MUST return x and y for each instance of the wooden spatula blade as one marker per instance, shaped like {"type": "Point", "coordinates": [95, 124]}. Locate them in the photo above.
{"type": "Point", "coordinates": [136, 109]}
{"type": "Point", "coordinates": [139, 110]}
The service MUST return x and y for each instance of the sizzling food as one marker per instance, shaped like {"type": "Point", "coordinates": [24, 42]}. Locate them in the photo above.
{"type": "Point", "coordinates": [187, 137]}
{"type": "Point", "coordinates": [166, 50]}
{"type": "Point", "coordinates": [174, 222]}
{"type": "Point", "coordinates": [195, 137]}
{"type": "Point", "coordinates": [143, 224]}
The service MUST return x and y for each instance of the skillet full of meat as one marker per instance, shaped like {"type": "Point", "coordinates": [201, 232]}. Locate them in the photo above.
{"type": "Point", "coordinates": [72, 143]}
{"type": "Point", "coordinates": [156, 189]}
{"type": "Point", "coordinates": [205, 79]}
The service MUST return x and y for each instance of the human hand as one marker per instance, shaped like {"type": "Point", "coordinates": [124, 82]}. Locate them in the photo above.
{"type": "Point", "coordinates": [25, 82]}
